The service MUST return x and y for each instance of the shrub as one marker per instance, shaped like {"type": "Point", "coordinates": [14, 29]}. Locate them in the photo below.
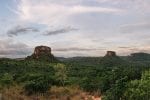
{"type": "Point", "coordinates": [39, 84]}
{"type": "Point", "coordinates": [139, 89]}
{"type": "Point", "coordinates": [6, 80]}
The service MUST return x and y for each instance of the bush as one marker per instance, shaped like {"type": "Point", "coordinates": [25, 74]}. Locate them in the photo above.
{"type": "Point", "coordinates": [6, 80]}
{"type": "Point", "coordinates": [117, 90]}
{"type": "Point", "coordinates": [60, 74]}
{"type": "Point", "coordinates": [39, 84]}
{"type": "Point", "coordinates": [139, 89]}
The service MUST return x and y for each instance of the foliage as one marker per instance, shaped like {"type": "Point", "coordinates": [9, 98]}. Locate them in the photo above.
{"type": "Point", "coordinates": [110, 77]}
{"type": "Point", "coordinates": [115, 77]}
{"type": "Point", "coordinates": [6, 80]}
{"type": "Point", "coordinates": [37, 83]}
{"type": "Point", "coordinates": [116, 91]}
{"type": "Point", "coordinates": [60, 73]}
{"type": "Point", "coordinates": [139, 89]}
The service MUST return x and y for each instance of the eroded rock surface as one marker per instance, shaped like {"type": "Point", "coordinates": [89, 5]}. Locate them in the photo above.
{"type": "Point", "coordinates": [41, 50]}
{"type": "Point", "coordinates": [42, 53]}
{"type": "Point", "coordinates": [111, 53]}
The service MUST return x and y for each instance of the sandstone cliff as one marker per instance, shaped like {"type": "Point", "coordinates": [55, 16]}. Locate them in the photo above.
{"type": "Point", "coordinates": [110, 53]}
{"type": "Point", "coordinates": [42, 53]}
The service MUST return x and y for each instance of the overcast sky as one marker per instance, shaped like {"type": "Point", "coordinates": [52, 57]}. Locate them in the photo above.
{"type": "Point", "coordinates": [74, 27]}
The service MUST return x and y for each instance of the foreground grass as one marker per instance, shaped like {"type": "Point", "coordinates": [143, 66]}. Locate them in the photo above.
{"type": "Point", "coordinates": [55, 93]}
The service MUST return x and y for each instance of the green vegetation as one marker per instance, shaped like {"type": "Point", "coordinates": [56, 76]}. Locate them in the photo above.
{"type": "Point", "coordinates": [139, 89]}
{"type": "Point", "coordinates": [114, 78]}
{"type": "Point", "coordinates": [60, 74]}
{"type": "Point", "coordinates": [37, 83]}
{"type": "Point", "coordinates": [6, 80]}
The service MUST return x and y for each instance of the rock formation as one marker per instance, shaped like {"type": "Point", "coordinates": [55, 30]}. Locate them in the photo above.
{"type": "Point", "coordinates": [42, 53]}
{"type": "Point", "coordinates": [41, 50]}
{"type": "Point", "coordinates": [111, 53]}
{"type": "Point", "coordinates": [111, 59]}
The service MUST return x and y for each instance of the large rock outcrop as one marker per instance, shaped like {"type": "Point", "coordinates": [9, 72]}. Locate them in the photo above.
{"type": "Point", "coordinates": [42, 53]}
{"type": "Point", "coordinates": [111, 53]}
{"type": "Point", "coordinates": [41, 50]}
{"type": "Point", "coordinates": [111, 59]}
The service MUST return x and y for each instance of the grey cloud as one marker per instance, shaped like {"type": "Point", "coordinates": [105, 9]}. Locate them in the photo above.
{"type": "Point", "coordinates": [20, 30]}
{"type": "Point", "coordinates": [9, 48]}
{"type": "Point", "coordinates": [134, 49]}
{"type": "Point", "coordinates": [124, 47]}
{"type": "Point", "coordinates": [138, 5]}
{"type": "Point", "coordinates": [60, 31]}
{"type": "Point", "coordinates": [76, 49]}
{"type": "Point", "coordinates": [139, 50]}
{"type": "Point", "coordinates": [13, 52]}
{"type": "Point", "coordinates": [135, 27]}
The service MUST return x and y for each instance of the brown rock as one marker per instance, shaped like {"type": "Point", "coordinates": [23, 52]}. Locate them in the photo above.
{"type": "Point", "coordinates": [111, 53]}
{"type": "Point", "coordinates": [42, 53]}
{"type": "Point", "coordinates": [40, 50]}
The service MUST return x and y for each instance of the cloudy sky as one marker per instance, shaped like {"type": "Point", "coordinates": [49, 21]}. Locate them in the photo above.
{"type": "Point", "coordinates": [74, 27]}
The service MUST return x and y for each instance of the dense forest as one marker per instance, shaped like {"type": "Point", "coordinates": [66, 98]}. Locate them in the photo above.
{"type": "Point", "coordinates": [109, 77]}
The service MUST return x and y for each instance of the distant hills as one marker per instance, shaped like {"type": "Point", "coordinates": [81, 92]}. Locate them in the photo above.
{"type": "Point", "coordinates": [109, 59]}
{"type": "Point", "coordinates": [139, 57]}
{"type": "Point", "coordinates": [43, 53]}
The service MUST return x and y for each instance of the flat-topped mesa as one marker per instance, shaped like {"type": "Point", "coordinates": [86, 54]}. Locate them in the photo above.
{"type": "Point", "coordinates": [40, 50]}
{"type": "Point", "coordinates": [42, 53]}
{"type": "Point", "coordinates": [111, 53]}
{"type": "Point", "coordinates": [111, 59]}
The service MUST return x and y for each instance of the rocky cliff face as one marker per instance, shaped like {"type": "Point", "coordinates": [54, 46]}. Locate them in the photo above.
{"type": "Point", "coordinates": [41, 50]}
{"type": "Point", "coordinates": [42, 53]}
{"type": "Point", "coordinates": [110, 53]}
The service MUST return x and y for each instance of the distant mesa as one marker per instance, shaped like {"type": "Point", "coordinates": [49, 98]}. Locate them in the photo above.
{"type": "Point", "coordinates": [139, 56]}
{"type": "Point", "coordinates": [41, 50]}
{"type": "Point", "coordinates": [42, 53]}
{"type": "Point", "coordinates": [111, 59]}
{"type": "Point", "coordinates": [110, 53]}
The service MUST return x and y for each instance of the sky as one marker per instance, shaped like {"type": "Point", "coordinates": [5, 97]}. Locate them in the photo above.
{"type": "Point", "coordinates": [74, 27]}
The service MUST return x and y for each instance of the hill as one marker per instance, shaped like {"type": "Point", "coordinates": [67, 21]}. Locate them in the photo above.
{"type": "Point", "coordinates": [139, 56]}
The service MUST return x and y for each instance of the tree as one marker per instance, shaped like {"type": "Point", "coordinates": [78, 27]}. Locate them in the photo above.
{"type": "Point", "coordinates": [117, 90]}
{"type": "Point", "coordinates": [139, 89]}
{"type": "Point", "coordinates": [37, 84]}
{"type": "Point", "coordinates": [6, 80]}
{"type": "Point", "coordinates": [60, 73]}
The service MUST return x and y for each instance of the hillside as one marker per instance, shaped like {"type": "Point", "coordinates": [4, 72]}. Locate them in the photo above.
{"type": "Point", "coordinates": [139, 57]}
